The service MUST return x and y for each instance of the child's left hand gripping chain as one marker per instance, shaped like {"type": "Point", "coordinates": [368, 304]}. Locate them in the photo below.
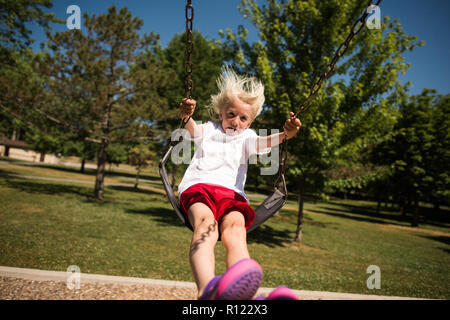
{"type": "Point", "coordinates": [187, 107]}
{"type": "Point", "coordinates": [291, 126]}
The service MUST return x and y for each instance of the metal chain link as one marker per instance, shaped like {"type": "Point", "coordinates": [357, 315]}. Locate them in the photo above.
{"type": "Point", "coordinates": [328, 70]}
{"type": "Point", "coordinates": [189, 48]}
{"type": "Point", "coordinates": [188, 67]}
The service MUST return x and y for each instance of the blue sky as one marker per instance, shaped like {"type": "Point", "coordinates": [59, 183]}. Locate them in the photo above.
{"type": "Point", "coordinates": [429, 20]}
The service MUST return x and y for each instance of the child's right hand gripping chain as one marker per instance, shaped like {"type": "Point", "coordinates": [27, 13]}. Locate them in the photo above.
{"type": "Point", "coordinates": [291, 126]}
{"type": "Point", "coordinates": [187, 107]}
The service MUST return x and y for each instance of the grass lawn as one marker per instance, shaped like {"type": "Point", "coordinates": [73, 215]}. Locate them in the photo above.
{"type": "Point", "coordinates": [53, 224]}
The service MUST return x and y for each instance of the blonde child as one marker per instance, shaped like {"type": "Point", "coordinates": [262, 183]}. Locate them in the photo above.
{"type": "Point", "coordinates": [212, 189]}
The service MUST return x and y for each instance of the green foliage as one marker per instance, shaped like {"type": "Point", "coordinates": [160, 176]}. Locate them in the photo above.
{"type": "Point", "coordinates": [14, 15]}
{"type": "Point", "coordinates": [417, 152]}
{"type": "Point", "coordinates": [99, 85]}
{"type": "Point", "coordinates": [439, 158]}
{"type": "Point", "coordinates": [103, 78]}
{"type": "Point", "coordinates": [344, 179]}
{"type": "Point", "coordinates": [140, 156]}
{"type": "Point", "coordinates": [21, 91]}
{"type": "Point", "coordinates": [356, 106]}
{"type": "Point", "coordinates": [207, 60]}
{"type": "Point", "coordinates": [103, 91]}
{"type": "Point", "coordinates": [117, 153]}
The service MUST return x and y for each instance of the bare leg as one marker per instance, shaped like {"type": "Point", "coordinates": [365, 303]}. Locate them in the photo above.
{"type": "Point", "coordinates": [204, 239]}
{"type": "Point", "coordinates": [234, 237]}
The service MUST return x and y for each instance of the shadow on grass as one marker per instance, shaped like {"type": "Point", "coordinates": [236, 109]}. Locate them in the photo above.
{"type": "Point", "coordinates": [270, 237]}
{"type": "Point", "coordinates": [308, 221]}
{"type": "Point", "coordinates": [59, 188]}
{"type": "Point", "coordinates": [91, 172]}
{"type": "Point", "coordinates": [442, 239]}
{"type": "Point", "coordinates": [160, 215]}
{"type": "Point", "coordinates": [131, 188]}
{"type": "Point", "coordinates": [130, 175]}
{"type": "Point", "coordinates": [263, 235]}
{"type": "Point", "coordinates": [369, 214]}
{"type": "Point", "coordinates": [342, 213]}
{"type": "Point", "coordinates": [4, 173]}
{"type": "Point", "coordinates": [87, 171]}
{"type": "Point", "coordinates": [47, 187]}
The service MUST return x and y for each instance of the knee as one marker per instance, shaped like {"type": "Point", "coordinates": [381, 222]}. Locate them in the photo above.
{"type": "Point", "coordinates": [233, 229]}
{"type": "Point", "coordinates": [205, 228]}
{"type": "Point", "coordinates": [205, 223]}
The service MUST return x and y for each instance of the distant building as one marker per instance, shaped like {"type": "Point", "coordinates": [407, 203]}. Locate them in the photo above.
{"type": "Point", "coordinates": [20, 150]}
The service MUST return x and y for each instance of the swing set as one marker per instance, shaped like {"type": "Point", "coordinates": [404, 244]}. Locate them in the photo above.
{"type": "Point", "coordinates": [277, 199]}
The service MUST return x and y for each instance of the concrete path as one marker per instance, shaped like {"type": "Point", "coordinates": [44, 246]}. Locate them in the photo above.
{"type": "Point", "coordinates": [43, 275]}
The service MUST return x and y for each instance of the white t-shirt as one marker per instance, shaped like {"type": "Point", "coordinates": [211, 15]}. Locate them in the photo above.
{"type": "Point", "coordinates": [220, 159]}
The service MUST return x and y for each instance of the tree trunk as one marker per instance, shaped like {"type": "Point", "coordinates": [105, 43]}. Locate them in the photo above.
{"type": "Point", "coordinates": [42, 158]}
{"type": "Point", "coordinates": [436, 207]}
{"type": "Point", "coordinates": [102, 152]}
{"type": "Point", "coordinates": [83, 162]}
{"type": "Point", "coordinates": [404, 206]}
{"type": "Point", "coordinates": [415, 217]}
{"type": "Point", "coordinates": [100, 176]}
{"type": "Point", "coordinates": [298, 233]}
{"type": "Point", "coordinates": [138, 171]}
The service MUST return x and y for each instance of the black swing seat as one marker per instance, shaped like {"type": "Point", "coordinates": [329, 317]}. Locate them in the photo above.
{"type": "Point", "coordinates": [270, 206]}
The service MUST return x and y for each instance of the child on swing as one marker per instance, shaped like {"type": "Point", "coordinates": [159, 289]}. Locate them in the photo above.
{"type": "Point", "coordinates": [212, 189]}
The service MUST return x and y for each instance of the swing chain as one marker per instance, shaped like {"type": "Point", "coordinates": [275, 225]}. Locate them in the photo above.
{"type": "Point", "coordinates": [326, 73]}
{"type": "Point", "coordinates": [283, 159]}
{"type": "Point", "coordinates": [189, 12]}
{"type": "Point", "coordinates": [328, 70]}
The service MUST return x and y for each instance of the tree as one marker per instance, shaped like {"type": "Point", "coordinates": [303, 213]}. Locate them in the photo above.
{"type": "Point", "coordinates": [100, 85]}
{"type": "Point", "coordinates": [140, 156]}
{"type": "Point", "coordinates": [297, 40]}
{"type": "Point", "coordinates": [439, 157]}
{"type": "Point", "coordinates": [81, 148]}
{"type": "Point", "coordinates": [15, 56]}
{"type": "Point", "coordinates": [14, 16]}
{"type": "Point", "coordinates": [117, 154]}
{"type": "Point", "coordinates": [20, 90]}
{"type": "Point", "coordinates": [207, 60]}
{"type": "Point", "coordinates": [417, 152]}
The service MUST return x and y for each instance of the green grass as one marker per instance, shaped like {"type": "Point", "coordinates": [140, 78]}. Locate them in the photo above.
{"type": "Point", "coordinates": [52, 225]}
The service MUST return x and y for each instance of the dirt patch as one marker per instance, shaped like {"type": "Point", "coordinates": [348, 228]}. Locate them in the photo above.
{"type": "Point", "coordinates": [411, 229]}
{"type": "Point", "coordinates": [31, 210]}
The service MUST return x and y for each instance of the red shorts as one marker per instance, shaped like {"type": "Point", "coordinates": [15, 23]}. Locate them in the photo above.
{"type": "Point", "coordinates": [219, 199]}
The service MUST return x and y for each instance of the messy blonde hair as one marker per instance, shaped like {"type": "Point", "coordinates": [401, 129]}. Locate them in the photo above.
{"type": "Point", "coordinates": [247, 89]}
